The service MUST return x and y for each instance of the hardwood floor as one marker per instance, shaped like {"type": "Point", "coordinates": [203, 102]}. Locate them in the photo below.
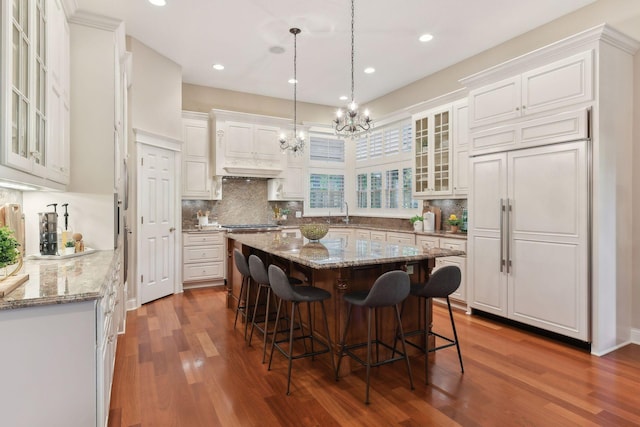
{"type": "Point", "coordinates": [181, 363]}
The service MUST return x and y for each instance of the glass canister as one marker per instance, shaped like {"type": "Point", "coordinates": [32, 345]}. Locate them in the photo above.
{"type": "Point", "coordinates": [48, 222]}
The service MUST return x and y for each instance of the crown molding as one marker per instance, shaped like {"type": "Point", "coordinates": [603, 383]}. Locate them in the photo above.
{"type": "Point", "coordinates": [89, 19]}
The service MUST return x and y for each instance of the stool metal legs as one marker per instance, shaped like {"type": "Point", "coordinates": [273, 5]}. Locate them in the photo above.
{"type": "Point", "coordinates": [344, 349]}
{"type": "Point", "coordinates": [289, 355]}
{"type": "Point", "coordinates": [245, 289]}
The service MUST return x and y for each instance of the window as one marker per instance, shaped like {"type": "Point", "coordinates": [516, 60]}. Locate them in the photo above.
{"type": "Point", "coordinates": [326, 191]}
{"type": "Point", "coordinates": [385, 142]}
{"type": "Point", "coordinates": [376, 189]}
{"type": "Point", "coordinates": [361, 191]}
{"type": "Point", "coordinates": [326, 149]}
{"type": "Point", "coordinates": [392, 192]}
{"type": "Point", "coordinates": [407, 201]}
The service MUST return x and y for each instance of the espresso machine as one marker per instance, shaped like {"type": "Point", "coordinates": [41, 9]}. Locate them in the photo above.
{"type": "Point", "coordinates": [48, 232]}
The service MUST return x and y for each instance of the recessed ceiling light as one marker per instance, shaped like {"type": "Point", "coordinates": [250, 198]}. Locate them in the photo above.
{"type": "Point", "coordinates": [426, 38]}
{"type": "Point", "coordinates": [369, 70]}
{"type": "Point", "coordinates": [292, 81]}
{"type": "Point", "coordinates": [343, 98]}
{"type": "Point", "coordinates": [218, 67]}
{"type": "Point", "coordinates": [158, 2]}
{"type": "Point", "coordinates": [276, 49]}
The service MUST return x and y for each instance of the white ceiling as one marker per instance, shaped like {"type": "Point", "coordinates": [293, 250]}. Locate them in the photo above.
{"type": "Point", "coordinates": [240, 33]}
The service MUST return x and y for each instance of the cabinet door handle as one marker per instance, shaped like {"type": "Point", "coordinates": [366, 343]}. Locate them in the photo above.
{"type": "Point", "coordinates": [502, 213]}
{"type": "Point", "coordinates": [509, 210]}
{"type": "Point", "coordinates": [517, 108]}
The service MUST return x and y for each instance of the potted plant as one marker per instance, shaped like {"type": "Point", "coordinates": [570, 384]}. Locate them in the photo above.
{"type": "Point", "coordinates": [416, 220]}
{"type": "Point", "coordinates": [70, 247]}
{"type": "Point", "coordinates": [9, 253]}
{"type": "Point", "coordinates": [454, 222]}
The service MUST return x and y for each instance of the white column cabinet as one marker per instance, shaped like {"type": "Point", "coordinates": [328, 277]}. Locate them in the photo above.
{"type": "Point", "coordinates": [528, 237]}
{"type": "Point", "coordinates": [198, 181]}
{"type": "Point", "coordinates": [460, 167]}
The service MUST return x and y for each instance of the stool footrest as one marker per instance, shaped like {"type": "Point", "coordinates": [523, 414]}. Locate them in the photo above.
{"type": "Point", "coordinates": [347, 350]}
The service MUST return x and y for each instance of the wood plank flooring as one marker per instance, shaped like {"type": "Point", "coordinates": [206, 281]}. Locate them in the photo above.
{"type": "Point", "coordinates": [181, 363]}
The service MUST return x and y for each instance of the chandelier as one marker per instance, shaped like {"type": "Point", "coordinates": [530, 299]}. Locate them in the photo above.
{"type": "Point", "coordinates": [294, 142]}
{"type": "Point", "coordinates": [351, 122]}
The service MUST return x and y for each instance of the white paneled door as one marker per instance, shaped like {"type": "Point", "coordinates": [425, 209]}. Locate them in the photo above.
{"type": "Point", "coordinates": [528, 247]}
{"type": "Point", "coordinates": [157, 223]}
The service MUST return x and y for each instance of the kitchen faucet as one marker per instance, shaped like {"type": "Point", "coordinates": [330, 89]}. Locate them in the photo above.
{"type": "Point", "coordinates": [346, 218]}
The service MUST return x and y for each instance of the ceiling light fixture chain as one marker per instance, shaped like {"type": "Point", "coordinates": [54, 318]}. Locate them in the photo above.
{"type": "Point", "coordinates": [352, 123]}
{"type": "Point", "coordinates": [295, 142]}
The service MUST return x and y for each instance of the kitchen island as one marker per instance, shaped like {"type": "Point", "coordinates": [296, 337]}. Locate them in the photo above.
{"type": "Point", "coordinates": [338, 265]}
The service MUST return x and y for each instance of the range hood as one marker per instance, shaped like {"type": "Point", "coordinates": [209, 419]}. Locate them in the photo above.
{"type": "Point", "coordinates": [248, 171]}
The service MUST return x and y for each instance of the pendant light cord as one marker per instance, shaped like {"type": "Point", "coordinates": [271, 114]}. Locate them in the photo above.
{"type": "Point", "coordinates": [352, 47]}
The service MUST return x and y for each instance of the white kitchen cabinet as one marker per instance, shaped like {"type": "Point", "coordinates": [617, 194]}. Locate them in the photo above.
{"type": "Point", "coordinates": [203, 258]}
{"type": "Point", "coordinates": [248, 144]}
{"type": "Point", "coordinates": [291, 185]}
{"type": "Point", "coordinates": [561, 83]}
{"type": "Point", "coordinates": [459, 294]}
{"type": "Point", "coordinates": [378, 236]}
{"type": "Point", "coordinates": [528, 237]}
{"type": "Point", "coordinates": [25, 77]}
{"type": "Point", "coordinates": [427, 242]}
{"type": "Point", "coordinates": [58, 137]}
{"type": "Point", "coordinates": [430, 242]}
{"type": "Point", "coordinates": [362, 234]}
{"type": "Point", "coordinates": [579, 83]}
{"type": "Point", "coordinates": [198, 181]}
{"type": "Point", "coordinates": [460, 167]}
{"type": "Point", "coordinates": [401, 238]}
{"type": "Point", "coordinates": [433, 152]}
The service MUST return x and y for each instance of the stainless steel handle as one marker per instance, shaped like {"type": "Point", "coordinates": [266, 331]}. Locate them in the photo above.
{"type": "Point", "coordinates": [502, 212]}
{"type": "Point", "coordinates": [508, 233]}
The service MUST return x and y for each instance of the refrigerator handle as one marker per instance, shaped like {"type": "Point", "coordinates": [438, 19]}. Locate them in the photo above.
{"type": "Point", "coordinates": [508, 236]}
{"type": "Point", "coordinates": [502, 212]}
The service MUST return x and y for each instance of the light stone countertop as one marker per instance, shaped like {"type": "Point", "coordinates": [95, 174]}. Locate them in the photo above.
{"type": "Point", "coordinates": [337, 252]}
{"type": "Point", "coordinates": [63, 281]}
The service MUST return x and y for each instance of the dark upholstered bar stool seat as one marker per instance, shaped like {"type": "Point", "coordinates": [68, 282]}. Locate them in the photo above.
{"type": "Point", "coordinates": [244, 302]}
{"type": "Point", "coordinates": [297, 295]}
{"type": "Point", "coordinates": [260, 276]}
{"type": "Point", "coordinates": [389, 290]}
{"type": "Point", "coordinates": [442, 283]}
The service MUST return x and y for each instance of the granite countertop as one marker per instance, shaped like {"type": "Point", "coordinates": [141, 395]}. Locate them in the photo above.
{"type": "Point", "coordinates": [462, 236]}
{"type": "Point", "coordinates": [337, 252]}
{"type": "Point", "coordinates": [76, 279]}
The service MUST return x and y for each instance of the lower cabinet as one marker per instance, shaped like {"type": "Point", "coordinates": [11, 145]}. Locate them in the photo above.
{"type": "Point", "coordinates": [203, 258]}
{"type": "Point", "coordinates": [59, 360]}
{"type": "Point", "coordinates": [430, 242]}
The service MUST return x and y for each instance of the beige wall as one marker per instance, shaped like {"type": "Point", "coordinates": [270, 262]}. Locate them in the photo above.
{"type": "Point", "coordinates": [203, 99]}
{"type": "Point", "coordinates": [156, 94]}
{"type": "Point", "coordinates": [623, 15]}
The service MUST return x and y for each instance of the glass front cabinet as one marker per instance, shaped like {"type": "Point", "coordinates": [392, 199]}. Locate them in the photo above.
{"type": "Point", "coordinates": [432, 148]}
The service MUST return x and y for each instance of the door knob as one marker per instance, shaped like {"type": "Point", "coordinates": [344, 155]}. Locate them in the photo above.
{"type": "Point", "coordinates": [172, 229]}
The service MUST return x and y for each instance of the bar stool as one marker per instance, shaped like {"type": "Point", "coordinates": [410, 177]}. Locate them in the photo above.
{"type": "Point", "coordinates": [389, 290]}
{"type": "Point", "coordinates": [442, 283]}
{"type": "Point", "coordinates": [297, 295]}
{"type": "Point", "coordinates": [260, 276]}
{"type": "Point", "coordinates": [245, 290]}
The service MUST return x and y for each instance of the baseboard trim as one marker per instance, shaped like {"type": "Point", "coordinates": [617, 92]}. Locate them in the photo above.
{"type": "Point", "coordinates": [635, 336]}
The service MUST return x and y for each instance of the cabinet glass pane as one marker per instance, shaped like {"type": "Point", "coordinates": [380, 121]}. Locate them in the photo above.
{"type": "Point", "coordinates": [24, 68]}
{"type": "Point", "coordinates": [23, 127]}
{"type": "Point", "coordinates": [15, 60]}
{"type": "Point", "coordinates": [422, 156]}
{"type": "Point", "coordinates": [24, 15]}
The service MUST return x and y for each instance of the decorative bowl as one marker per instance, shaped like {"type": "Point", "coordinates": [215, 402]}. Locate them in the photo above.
{"type": "Point", "coordinates": [314, 232]}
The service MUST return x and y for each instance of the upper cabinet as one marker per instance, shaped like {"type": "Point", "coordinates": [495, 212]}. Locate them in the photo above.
{"type": "Point", "coordinates": [460, 169]}
{"type": "Point", "coordinates": [291, 184]}
{"type": "Point", "coordinates": [59, 139]}
{"type": "Point", "coordinates": [35, 106]}
{"type": "Point", "coordinates": [552, 86]}
{"type": "Point", "coordinates": [247, 144]}
{"type": "Point", "coordinates": [433, 150]}
{"type": "Point", "coordinates": [198, 181]}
